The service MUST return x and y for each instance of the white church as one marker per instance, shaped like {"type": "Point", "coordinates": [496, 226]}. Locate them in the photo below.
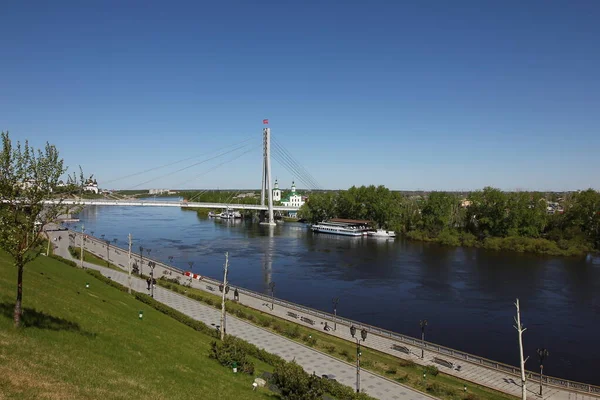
{"type": "Point", "coordinates": [293, 199]}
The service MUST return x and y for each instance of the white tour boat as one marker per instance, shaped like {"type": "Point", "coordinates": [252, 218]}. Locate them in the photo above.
{"type": "Point", "coordinates": [382, 233]}
{"type": "Point", "coordinates": [339, 228]}
{"type": "Point", "coordinates": [230, 214]}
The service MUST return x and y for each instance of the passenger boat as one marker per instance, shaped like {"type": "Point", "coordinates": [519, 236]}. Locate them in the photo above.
{"type": "Point", "coordinates": [382, 233]}
{"type": "Point", "coordinates": [340, 228]}
{"type": "Point", "coordinates": [230, 214]}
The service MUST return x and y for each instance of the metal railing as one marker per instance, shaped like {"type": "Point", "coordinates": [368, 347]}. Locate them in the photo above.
{"type": "Point", "coordinates": [495, 365]}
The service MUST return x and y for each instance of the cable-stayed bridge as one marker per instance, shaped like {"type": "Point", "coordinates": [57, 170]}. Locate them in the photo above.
{"type": "Point", "coordinates": [184, 204]}
{"type": "Point", "coordinates": [281, 155]}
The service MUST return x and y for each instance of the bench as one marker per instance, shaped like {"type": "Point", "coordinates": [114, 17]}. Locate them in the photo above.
{"type": "Point", "coordinates": [210, 288]}
{"type": "Point", "coordinates": [401, 348]}
{"type": "Point", "coordinates": [443, 362]}
{"type": "Point", "coordinates": [307, 320]}
{"type": "Point", "coordinates": [293, 315]}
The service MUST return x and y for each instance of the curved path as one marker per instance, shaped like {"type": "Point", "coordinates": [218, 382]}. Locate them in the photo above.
{"type": "Point", "coordinates": [310, 359]}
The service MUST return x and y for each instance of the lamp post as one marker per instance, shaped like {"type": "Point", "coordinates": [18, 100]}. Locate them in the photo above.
{"type": "Point", "coordinates": [335, 302]}
{"type": "Point", "coordinates": [423, 324]}
{"type": "Point", "coordinates": [542, 353]}
{"type": "Point", "coordinates": [141, 260]}
{"type": "Point", "coordinates": [108, 253]}
{"type": "Point", "coordinates": [363, 335]}
{"type": "Point", "coordinates": [272, 287]}
{"type": "Point", "coordinates": [151, 264]}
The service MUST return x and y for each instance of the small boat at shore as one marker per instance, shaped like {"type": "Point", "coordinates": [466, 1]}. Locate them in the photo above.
{"type": "Point", "coordinates": [340, 227]}
{"type": "Point", "coordinates": [382, 233]}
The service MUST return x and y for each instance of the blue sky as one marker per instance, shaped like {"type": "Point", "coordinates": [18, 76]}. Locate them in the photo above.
{"type": "Point", "coordinates": [412, 95]}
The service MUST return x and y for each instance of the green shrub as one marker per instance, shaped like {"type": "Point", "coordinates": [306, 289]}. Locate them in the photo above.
{"type": "Point", "coordinates": [330, 348]}
{"type": "Point", "coordinates": [345, 353]}
{"type": "Point", "coordinates": [292, 331]}
{"type": "Point", "coordinates": [311, 341]}
{"type": "Point", "coordinates": [228, 353]}
{"type": "Point", "coordinates": [448, 237]}
{"type": "Point", "coordinates": [402, 378]}
{"type": "Point", "coordinates": [391, 371]}
{"type": "Point", "coordinates": [431, 370]}
{"type": "Point", "coordinates": [295, 383]}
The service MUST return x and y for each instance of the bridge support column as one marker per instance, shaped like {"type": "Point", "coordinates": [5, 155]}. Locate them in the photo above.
{"type": "Point", "coordinates": [266, 187]}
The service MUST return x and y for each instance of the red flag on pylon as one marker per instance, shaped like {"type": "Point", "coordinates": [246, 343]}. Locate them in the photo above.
{"type": "Point", "coordinates": [266, 121]}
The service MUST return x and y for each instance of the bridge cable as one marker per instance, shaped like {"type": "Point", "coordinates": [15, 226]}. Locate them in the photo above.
{"type": "Point", "coordinates": [189, 166]}
{"type": "Point", "coordinates": [220, 164]}
{"type": "Point", "coordinates": [294, 162]}
{"type": "Point", "coordinates": [285, 161]}
{"type": "Point", "coordinates": [176, 162]}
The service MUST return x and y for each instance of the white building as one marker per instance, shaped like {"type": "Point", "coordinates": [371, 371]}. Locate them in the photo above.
{"type": "Point", "coordinates": [91, 186]}
{"type": "Point", "coordinates": [294, 199]}
{"type": "Point", "coordinates": [276, 192]}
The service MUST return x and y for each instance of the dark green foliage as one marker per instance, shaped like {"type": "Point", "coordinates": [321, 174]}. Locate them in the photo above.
{"type": "Point", "coordinates": [295, 384]}
{"type": "Point", "coordinates": [227, 354]}
{"type": "Point", "coordinates": [488, 218]}
{"type": "Point", "coordinates": [431, 370]}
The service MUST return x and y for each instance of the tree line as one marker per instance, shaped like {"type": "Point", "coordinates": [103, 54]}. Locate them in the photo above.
{"type": "Point", "coordinates": [488, 218]}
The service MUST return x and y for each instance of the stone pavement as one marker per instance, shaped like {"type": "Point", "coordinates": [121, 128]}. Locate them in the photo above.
{"type": "Point", "coordinates": [470, 371]}
{"type": "Point", "coordinates": [310, 359]}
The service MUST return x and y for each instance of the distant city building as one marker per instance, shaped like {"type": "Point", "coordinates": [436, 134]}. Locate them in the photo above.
{"type": "Point", "coordinates": [159, 191]}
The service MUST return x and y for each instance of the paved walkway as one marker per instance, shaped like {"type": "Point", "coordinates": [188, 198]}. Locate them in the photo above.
{"type": "Point", "coordinates": [310, 359]}
{"type": "Point", "coordinates": [499, 380]}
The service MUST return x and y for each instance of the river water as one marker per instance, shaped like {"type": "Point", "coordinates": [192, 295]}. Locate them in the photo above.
{"type": "Point", "coordinates": [466, 295]}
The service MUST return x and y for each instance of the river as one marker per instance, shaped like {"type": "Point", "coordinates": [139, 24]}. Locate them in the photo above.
{"type": "Point", "coordinates": [466, 294]}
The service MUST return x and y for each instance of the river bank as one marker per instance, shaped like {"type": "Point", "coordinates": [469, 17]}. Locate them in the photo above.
{"type": "Point", "coordinates": [512, 243]}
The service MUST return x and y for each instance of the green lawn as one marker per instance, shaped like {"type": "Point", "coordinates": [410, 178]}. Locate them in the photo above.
{"type": "Point", "coordinates": [404, 371]}
{"type": "Point", "coordinates": [81, 343]}
{"type": "Point", "coordinates": [91, 258]}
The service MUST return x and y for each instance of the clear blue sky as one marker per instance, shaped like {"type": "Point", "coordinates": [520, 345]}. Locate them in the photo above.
{"type": "Point", "coordinates": [413, 95]}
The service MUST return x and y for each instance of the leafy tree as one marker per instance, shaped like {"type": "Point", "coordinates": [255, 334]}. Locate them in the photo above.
{"type": "Point", "coordinates": [295, 383]}
{"type": "Point", "coordinates": [437, 212]}
{"type": "Point", "coordinates": [319, 207]}
{"type": "Point", "coordinates": [28, 177]}
{"type": "Point", "coordinates": [487, 213]}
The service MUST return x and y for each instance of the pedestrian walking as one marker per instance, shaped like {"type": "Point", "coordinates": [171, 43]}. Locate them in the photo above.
{"type": "Point", "coordinates": [148, 281]}
{"type": "Point", "coordinates": [154, 282]}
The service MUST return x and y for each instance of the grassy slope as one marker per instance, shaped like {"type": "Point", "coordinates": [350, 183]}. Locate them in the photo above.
{"type": "Point", "coordinates": [89, 343]}
{"type": "Point", "coordinates": [408, 373]}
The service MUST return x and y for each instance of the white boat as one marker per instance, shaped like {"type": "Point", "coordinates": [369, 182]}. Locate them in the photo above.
{"type": "Point", "coordinates": [338, 228]}
{"type": "Point", "coordinates": [382, 233]}
{"type": "Point", "coordinates": [230, 214]}
{"type": "Point", "coordinates": [212, 214]}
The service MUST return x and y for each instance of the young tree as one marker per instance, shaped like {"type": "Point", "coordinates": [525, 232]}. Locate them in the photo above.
{"type": "Point", "coordinates": [28, 178]}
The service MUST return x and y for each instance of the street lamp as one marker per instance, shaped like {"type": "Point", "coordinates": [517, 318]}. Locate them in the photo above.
{"type": "Point", "coordinates": [272, 287]}
{"type": "Point", "coordinates": [363, 335]}
{"type": "Point", "coordinates": [335, 302]}
{"type": "Point", "coordinates": [141, 260]}
{"type": "Point", "coordinates": [423, 324]}
{"type": "Point", "coordinates": [108, 253]}
{"type": "Point", "coordinates": [542, 353]}
{"type": "Point", "coordinates": [151, 264]}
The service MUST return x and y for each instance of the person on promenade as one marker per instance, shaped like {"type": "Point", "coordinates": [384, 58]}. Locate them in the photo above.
{"type": "Point", "coordinates": [148, 281]}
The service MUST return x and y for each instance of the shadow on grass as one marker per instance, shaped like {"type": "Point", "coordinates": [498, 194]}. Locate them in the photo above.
{"type": "Point", "coordinates": [32, 318]}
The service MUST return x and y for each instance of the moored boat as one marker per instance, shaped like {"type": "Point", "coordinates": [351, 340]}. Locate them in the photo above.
{"type": "Point", "coordinates": [341, 227]}
{"type": "Point", "coordinates": [382, 233]}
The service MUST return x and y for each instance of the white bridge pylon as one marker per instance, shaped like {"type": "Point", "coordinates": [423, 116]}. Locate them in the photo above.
{"type": "Point", "coordinates": [266, 176]}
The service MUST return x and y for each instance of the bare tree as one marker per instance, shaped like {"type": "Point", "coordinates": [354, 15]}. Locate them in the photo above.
{"type": "Point", "coordinates": [28, 178]}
